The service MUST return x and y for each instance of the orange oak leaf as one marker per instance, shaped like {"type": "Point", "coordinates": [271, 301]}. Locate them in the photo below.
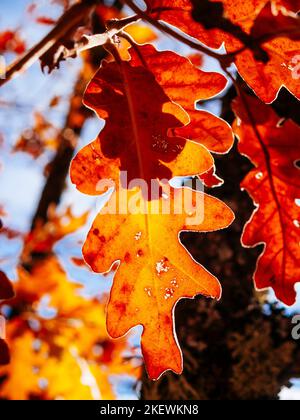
{"type": "Point", "coordinates": [137, 137]}
{"type": "Point", "coordinates": [266, 79]}
{"type": "Point", "coordinates": [238, 17]}
{"type": "Point", "coordinates": [274, 185]}
{"type": "Point", "coordinates": [154, 271]}
{"type": "Point", "coordinates": [185, 85]}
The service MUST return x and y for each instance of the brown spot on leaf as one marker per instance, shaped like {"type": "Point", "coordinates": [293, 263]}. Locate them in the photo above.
{"type": "Point", "coordinates": [127, 257]}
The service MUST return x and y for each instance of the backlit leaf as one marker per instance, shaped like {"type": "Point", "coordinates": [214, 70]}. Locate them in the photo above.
{"type": "Point", "coordinates": [274, 185]}
{"type": "Point", "coordinates": [138, 100]}
{"type": "Point", "coordinates": [155, 271]}
{"type": "Point", "coordinates": [137, 135]}
{"type": "Point", "coordinates": [185, 85]}
{"type": "Point", "coordinates": [265, 78]}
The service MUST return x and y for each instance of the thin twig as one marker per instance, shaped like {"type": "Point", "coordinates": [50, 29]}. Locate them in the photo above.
{"type": "Point", "coordinates": [88, 42]}
{"type": "Point", "coordinates": [74, 16]}
{"type": "Point", "coordinates": [69, 20]}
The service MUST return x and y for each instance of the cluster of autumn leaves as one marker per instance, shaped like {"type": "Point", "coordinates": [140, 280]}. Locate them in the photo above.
{"type": "Point", "coordinates": [149, 136]}
{"type": "Point", "coordinates": [154, 131]}
{"type": "Point", "coordinates": [263, 20]}
{"type": "Point", "coordinates": [59, 347]}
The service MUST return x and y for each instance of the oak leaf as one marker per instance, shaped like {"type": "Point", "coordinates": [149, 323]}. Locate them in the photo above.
{"type": "Point", "coordinates": [154, 271]}
{"type": "Point", "coordinates": [265, 77]}
{"type": "Point", "coordinates": [274, 185]}
{"type": "Point", "coordinates": [145, 102]}
{"type": "Point", "coordinates": [185, 85]}
{"type": "Point", "coordinates": [147, 106]}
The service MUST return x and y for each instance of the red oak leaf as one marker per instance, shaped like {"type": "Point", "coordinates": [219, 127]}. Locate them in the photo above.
{"type": "Point", "coordinates": [232, 22]}
{"type": "Point", "coordinates": [274, 185]}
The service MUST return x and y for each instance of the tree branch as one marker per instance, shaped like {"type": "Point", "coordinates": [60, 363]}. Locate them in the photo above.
{"type": "Point", "coordinates": [114, 27]}
{"type": "Point", "coordinates": [70, 21]}
{"type": "Point", "coordinates": [69, 135]}
{"type": "Point", "coordinates": [169, 31]}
